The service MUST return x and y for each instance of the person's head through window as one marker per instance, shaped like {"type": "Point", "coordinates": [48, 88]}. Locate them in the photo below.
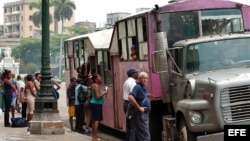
{"type": "Point", "coordinates": [133, 54]}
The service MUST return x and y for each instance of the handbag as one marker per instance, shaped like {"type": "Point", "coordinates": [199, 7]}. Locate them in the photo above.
{"type": "Point", "coordinates": [131, 109]}
{"type": "Point", "coordinates": [19, 122]}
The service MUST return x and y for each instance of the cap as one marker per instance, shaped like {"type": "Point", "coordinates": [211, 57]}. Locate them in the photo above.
{"type": "Point", "coordinates": [131, 71]}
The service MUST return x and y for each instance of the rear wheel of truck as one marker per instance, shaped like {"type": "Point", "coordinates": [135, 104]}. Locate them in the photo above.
{"type": "Point", "coordinates": [184, 133]}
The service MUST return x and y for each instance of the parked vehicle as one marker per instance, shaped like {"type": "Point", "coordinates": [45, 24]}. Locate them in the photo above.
{"type": "Point", "coordinates": [165, 38]}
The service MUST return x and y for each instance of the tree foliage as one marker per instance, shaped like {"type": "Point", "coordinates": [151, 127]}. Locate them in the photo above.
{"type": "Point", "coordinates": [37, 16]}
{"type": "Point", "coordinates": [77, 30]}
{"type": "Point", "coordinates": [29, 52]}
{"type": "Point", "coordinates": [63, 9]}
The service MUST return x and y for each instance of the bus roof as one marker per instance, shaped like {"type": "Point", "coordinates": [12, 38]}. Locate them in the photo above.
{"type": "Point", "coordinates": [99, 40]}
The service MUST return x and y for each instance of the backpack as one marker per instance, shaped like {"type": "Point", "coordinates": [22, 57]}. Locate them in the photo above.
{"type": "Point", "coordinates": [82, 94]}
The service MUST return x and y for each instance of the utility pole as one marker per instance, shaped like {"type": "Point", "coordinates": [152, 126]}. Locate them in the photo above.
{"type": "Point", "coordinates": [46, 114]}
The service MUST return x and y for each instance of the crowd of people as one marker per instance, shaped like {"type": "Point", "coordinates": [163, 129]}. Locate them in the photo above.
{"type": "Point", "coordinates": [90, 111]}
{"type": "Point", "coordinates": [25, 91]}
{"type": "Point", "coordinates": [20, 91]}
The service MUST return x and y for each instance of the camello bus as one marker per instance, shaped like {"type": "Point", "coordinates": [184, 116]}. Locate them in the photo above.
{"type": "Point", "coordinates": [166, 39]}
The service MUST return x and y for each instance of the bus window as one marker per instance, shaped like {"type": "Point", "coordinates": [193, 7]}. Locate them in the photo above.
{"type": "Point", "coordinates": [103, 67]}
{"type": "Point", "coordinates": [133, 45]}
{"type": "Point", "coordinates": [180, 25]}
{"type": "Point", "coordinates": [76, 54]}
{"type": "Point", "coordinates": [184, 25]}
{"type": "Point", "coordinates": [221, 21]}
{"type": "Point", "coordinates": [66, 58]}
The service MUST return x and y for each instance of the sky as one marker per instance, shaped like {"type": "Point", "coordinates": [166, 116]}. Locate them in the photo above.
{"type": "Point", "coordinates": [96, 10]}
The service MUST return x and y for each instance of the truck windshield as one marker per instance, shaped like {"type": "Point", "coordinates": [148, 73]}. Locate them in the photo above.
{"type": "Point", "coordinates": [217, 55]}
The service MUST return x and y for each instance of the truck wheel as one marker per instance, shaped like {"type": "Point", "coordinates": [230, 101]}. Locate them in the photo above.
{"type": "Point", "coordinates": [184, 133]}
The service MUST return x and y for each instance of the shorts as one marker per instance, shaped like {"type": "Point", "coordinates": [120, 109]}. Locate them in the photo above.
{"type": "Point", "coordinates": [13, 101]}
{"type": "Point", "coordinates": [96, 112]}
{"type": "Point", "coordinates": [71, 111]}
{"type": "Point", "coordinates": [30, 104]}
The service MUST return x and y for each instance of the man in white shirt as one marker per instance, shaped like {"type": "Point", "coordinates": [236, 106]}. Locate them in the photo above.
{"type": "Point", "coordinates": [21, 95]}
{"type": "Point", "coordinates": [127, 89]}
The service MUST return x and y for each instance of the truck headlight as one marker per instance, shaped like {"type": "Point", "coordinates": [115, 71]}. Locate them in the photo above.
{"type": "Point", "coordinates": [196, 117]}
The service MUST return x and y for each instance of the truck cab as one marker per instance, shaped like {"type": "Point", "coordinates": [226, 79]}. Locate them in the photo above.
{"type": "Point", "coordinates": [209, 81]}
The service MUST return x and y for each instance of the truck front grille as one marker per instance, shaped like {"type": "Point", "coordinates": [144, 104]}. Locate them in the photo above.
{"type": "Point", "coordinates": [235, 104]}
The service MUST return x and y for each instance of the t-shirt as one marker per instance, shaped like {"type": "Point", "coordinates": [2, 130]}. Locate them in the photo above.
{"type": "Point", "coordinates": [128, 87]}
{"type": "Point", "coordinates": [20, 84]}
{"type": "Point", "coordinates": [94, 100]}
{"type": "Point", "coordinates": [76, 93]}
{"type": "Point", "coordinates": [71, 93]}
{"type": "Point", "coordinates": [139, 93]}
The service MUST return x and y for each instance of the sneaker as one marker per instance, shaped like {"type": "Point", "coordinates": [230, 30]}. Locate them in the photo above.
{"type": "Point", "coordinates": [87, 130]}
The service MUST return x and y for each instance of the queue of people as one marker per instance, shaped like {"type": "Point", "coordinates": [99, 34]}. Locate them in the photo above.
{"type": "Point", "coordinates": [21, 91]}
{"type": "Point", "coordinates": [89, 112]}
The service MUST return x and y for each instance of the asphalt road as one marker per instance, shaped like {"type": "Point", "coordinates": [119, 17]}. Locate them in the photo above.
{"type": "Point", "coordinates": [63, 112]}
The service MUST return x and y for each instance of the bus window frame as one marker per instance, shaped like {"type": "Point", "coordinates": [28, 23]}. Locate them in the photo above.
{"type": "Point", "coordinates": [104, 57]}
{"type": "Point", "coordinates": [66, 58]}
{"type": "Point", "coordinates": [133, 32]}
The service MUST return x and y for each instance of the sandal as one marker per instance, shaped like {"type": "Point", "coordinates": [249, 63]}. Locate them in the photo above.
{"type": "Point", "coordinates": [98, 139]}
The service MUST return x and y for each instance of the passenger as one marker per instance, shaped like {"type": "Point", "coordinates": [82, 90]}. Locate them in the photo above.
{"type": "Point", "coordinates": [87, 110]}
{"type": "Point", "coordinates": [96, 103]}
{"type": "Point", "coordinates": [128, 86]}
{"type": "Point", "coordinates": [78, 70]}
{"type": "Point", "coordinates": [71, 101]}
{"type": "Point", "coordinates": [21, 95]}
{"type": "Point", "coordinates": [134, 52]}
{"type": "Point", "coordinates": [37, 81]}
{"type": "Point", "coordinates": [55, 84]}
{"type": "Point", "coordinates": [79, 108]}
{"type": "Point", "coordinates": [14, 96]}
{"type": "Point", "coordinates": [85, 70]}
{"type": "Point", "coordinates": [30, 91]}
{"type": "Point", "coordinates": [139, 99]}
{"type": "Point", "coordinates": [7, 96]}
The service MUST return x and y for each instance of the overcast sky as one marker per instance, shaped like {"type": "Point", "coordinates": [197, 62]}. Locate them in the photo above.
{"type": "Point", "coordinates": [96, 10]}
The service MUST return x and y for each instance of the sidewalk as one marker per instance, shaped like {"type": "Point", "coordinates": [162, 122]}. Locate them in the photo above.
{"type": "Point", "coordinates": [20, 134]}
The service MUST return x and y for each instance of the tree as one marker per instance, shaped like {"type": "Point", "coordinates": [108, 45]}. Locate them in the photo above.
{"type": "Point", "coordinates": [37, 16]}
{"type": "Point", "coordinates": [77, 30]}
{"type": "Point", "coordinates": [63, 10]}
{"type": "Point", "coordinates": [29, 52]}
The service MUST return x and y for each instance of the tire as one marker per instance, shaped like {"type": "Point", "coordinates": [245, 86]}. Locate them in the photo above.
{"type": "Point", "coordinates": [184, 133]}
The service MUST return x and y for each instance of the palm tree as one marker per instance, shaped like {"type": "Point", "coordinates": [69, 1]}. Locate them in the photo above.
{"type": "Point", "coordinates": [63, 10]}
{"type": "Point", "coordinates": [37, 16]}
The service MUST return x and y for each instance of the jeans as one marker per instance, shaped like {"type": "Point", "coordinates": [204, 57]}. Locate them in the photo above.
{"type": "Point", "coordinates": [7, 102]}
{"type": "Point", "coordinates": [80, 118]}
{"type": "Point", "coordinates": [141, 123]}
{"type": "Point", "coordinates": [130, 128]}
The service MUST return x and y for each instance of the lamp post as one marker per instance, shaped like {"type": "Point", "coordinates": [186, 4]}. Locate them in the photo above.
{"type": "Point", "coordinates": [46, 113]}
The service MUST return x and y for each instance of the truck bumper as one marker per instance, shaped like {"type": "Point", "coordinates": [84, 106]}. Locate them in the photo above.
{"type": "Point", "coordinates": [212, 137]}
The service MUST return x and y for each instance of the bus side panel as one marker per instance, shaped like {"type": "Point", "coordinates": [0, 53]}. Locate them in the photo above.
{"type": "Point", "coordinates": [108, 109]}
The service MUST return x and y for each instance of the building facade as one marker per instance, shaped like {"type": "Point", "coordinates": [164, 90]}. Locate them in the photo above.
{"type": "Point", "coordinates": [113, 17]}
{"type": "Point", "coordinates": [18, 21]}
